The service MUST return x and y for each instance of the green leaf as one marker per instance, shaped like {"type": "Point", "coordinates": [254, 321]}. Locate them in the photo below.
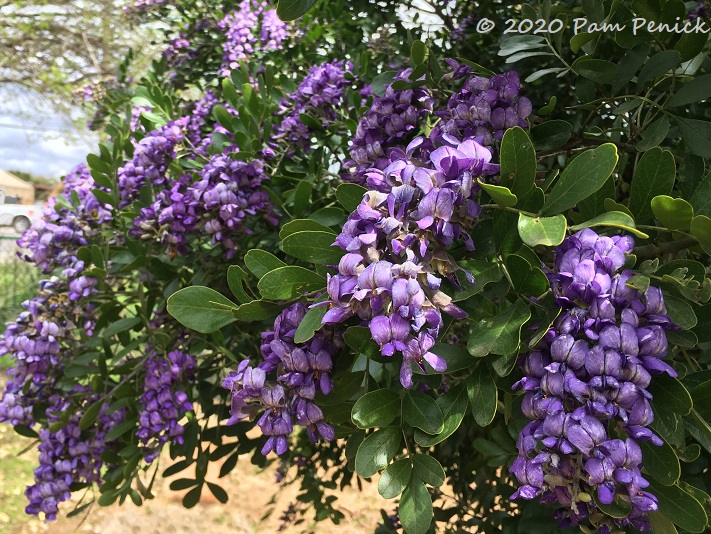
{"type": "Point", "coordinates": [415, 510]}
{"type": "Point", "coordinates": [361, 341]}
{"type": "Point", "coordinates": [674, 213]}
{"type": "Point", "coordinates": [192, 497]}
{"type": "Point", "coordinates": [288, 282]}
{"type": "Point", "coordinates": [219, 493]}
{"type": "Point", "coordinates": [549, 231]}
{"type": "Point", "coordinates": [394, 479]}
{"type": "Point", "coordinates": [654, 175]}
{"type": "Point", "coordinates": [680, 312]}
{"type": "Point", "coordinates": [303, 225]}
{"type": "Point", "coordinates": [92, 412]}
{"type": "Point", "coordinates": [661, 523]}
{"type": "Point", "coordinates": [518, 161]}
{"type": "Point", "coordinates": [615, 219]}
{"type": "Point", "coordinates": [121, 325]}
{"type": "Point", "coordinates": [314, 247]}
{"type": "Point", "coordinates": [680, 507]}
{"type": "Point", "coordinates": [293, 9]}
{"type": "Point", "coordinates": [701, 229]}
{"type": "Point", "coordinates": [701, 197]}
{"type": "Point", "coordinates": [597, 70]}
{"type": "Point", "coordinates": [329, 216]}
{"type": "Point", "coordinates": [376, 408]}
{"type": "Point", "coordinates": [381, 82]}
{"type": "Point", "coordinates": [377, 450]}
{"type": "Point", "coordinates": [697, 136]}
{"type": "Point", "coordinates": [421, 411]}
{"type": "Point", "coordinates": [350, 196]}
{"type": "Point", "coordinates": [617, 509]}
{"type": "Point", "coordinates": [661, 463]}
{"type": "Point", "coordinates": [257, 310]}
{"type": "Point", "coordinates": [484, 272]}
{"type": "Point", "coordinates": [310, 324]}
{"type": "Point", "coordinates": [696, 90]}
{"type": "Point", "coordinates": [527, 279]}
{"type": "Point", "coordinates": [428, 469]}
{"type": "Point", "coordinates": [654, 134]}
{"type": "Point", "coordinates": [584, 175]}
{"type": "Point", "coordinates": [235, 279]}
{"type": "Point", "coordinates": [260, 262]}
{"type": "Point", "coordinates": [670, 394]}
{"type": "Point", "coordinates": [119, 430]}
{"type": "Point", "coordinates": [201, 309]}
{"type": "Point", "coordinates": [499, 334]}
{"type": "Point", "coordinates": [551, 134]}
{"type": "Point", "coordinates": [501, 195]}
{"type": "Point", "coordinates": [453, 405]}
{"type": "Point", "coordinates": [25, 431]}
{"type": "Point", "coordinates": [483, 395]}
{"type": "Point", "coordinates": [658, 64]}
{"type": "Point", "coordinates": [302, 197]}
{"type": "Point", "coordinates": [419, 52]}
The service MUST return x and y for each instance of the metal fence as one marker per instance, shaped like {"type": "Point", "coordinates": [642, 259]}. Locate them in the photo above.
{"type": "Point", "coordinates": [18, 280]}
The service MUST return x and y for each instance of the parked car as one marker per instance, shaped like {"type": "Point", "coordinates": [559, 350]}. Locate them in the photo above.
{"type": "Point", "coordinates": [19, 216]}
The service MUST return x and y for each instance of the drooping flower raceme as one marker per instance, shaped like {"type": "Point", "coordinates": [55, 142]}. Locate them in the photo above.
{"type": "Point", "coordinates": [164, 399]}
{"type": "Point", "coordinates": [282, 387]}
{"type": "Point", "coordinates": [586, 385]}
{"type": "Point", "coordinates": [395, 248]}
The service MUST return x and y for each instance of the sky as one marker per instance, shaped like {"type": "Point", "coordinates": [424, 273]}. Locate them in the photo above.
{"type": "Point", "coordinates": [45, 144]}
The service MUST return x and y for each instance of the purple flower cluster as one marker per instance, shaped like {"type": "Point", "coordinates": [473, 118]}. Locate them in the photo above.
{"type": "Point", "coordinates": [164, 400]}
{"type": "Point", "coordinates": [301, 370]}
{"type": "Point", "coordinates": [319, 95]}
{"type": "Point", "coordinates": [484, 107]}
{"type": "Point", "coordinates": [198, 119]}
{"type": "Point", "coordinates": [150, 161]}
{"type": "Point", "coordinates": [220, 202]}
{"type": "Point", "coordinates": [250, 27]}
{"type": "Point", "coordinates": [69, 455]}
{"type": "Point", "coordinates": [586, 383]}
{"type": "Point", "coordinates": [395, 245]}
{"type": "Point", "coordinates": [392, 121]}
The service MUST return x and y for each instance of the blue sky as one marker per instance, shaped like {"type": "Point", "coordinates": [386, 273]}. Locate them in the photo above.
{"type": "Point", "coordinates": [45, 143]}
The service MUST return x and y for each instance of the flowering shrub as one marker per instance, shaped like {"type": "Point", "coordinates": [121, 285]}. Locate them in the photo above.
{"type": "Point", "coordinates": [488, 286]}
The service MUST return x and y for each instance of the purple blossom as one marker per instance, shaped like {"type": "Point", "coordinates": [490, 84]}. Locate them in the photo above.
{"type": "Point", "coordinates": [589, 375]}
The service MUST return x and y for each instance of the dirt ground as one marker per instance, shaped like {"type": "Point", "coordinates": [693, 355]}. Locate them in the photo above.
{"type": "Point", "coordinates": [250, 491]}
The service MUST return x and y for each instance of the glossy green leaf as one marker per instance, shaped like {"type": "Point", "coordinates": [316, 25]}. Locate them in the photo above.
{"type": "Point", "coordinates": [313, 247]}
{"type": "Point", "coordinates": [680, 507]}
{"type": "Point", "coordinates": [660, 63]}
{"type": "Point", "coordinates": [654, 134]}
{"type": "Point", "coordinates": [661, 463]}
{"type": "Point", "coordinates": [304, 225]}
{"type": "Point", "coordinates": [288, 282]}
{"type": "Point", "coordinates": [597, 70]}
{"type": "Point", "coordinates": [257, 310]}
{"type": "Point", "coordinates": [617, 509]}
{"type": "Point", "coordinates": [499, 194]}
{"type": "Point", "coordinates": [674, 213]}
{"type": "Point", "coordinates": [260, 262]}
{"type": "Point", "coordinates": [483, 395]}
{"type": "Point", "coordinates": [661, 524]}
{"type": "Point", "coordinates": [551, 134]}
{"type": "Point", "coordinates": [701, 229]}
{"type": "Point", "coordinates": [350, 196]}
{"type": "Point", "coordinates": [421, 411]}
{"type": "Point", "coordinates": [615, 219]}
{"type": "Point", "coordinates": [484, 272]}
{"type": "Point", "coordinates": [329, 216]}
{"type": "Point", "coordinates": [310, 324]}
{"type": "Point", "coordinates": [654, 175]}
{"type": "Point", "coordinates": [453, 405]}
{"type": "Point", "coordinates": [418, 52]}
{"type": "Point", "coordinates": [428, 469]}
{"type": "Point", "coordinates": [584, 175]}
{"type": "Point", "coordinates": [376, 408]}
{"type": "Point", "coordinates": [377, 450]}
{"type": "Point", "coordinates": [235, 279]}
{"type": "Point", "coordinates": [518, 162]}
{"type": "Point", "coordinates": [394, 478]}
{"type": "Point", "coordinates": [697, 135]}
{"type": "Point", "coordinates": [670, 395]}
{"type": "Point", "coordinates": [680, 312]}
{"type": "Point", "coordinates": [293, 9]}
{"type": "Point", "coordinates": [361, 341]}
{"type": "Point", "coordinates": [527, 279]}
{"type": "Point", "coordinates": [549, 231]}
{"type": "Point", "coordinates": [696, 90]}
{"type": "Point", "coordinates": [415, 509]}
{"type": "Point", "coordinates": [701, 197]}
{"type": "Point", "coordinates": [201, 309]}
{"type": "Point", "coordinates": [499, 334]}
